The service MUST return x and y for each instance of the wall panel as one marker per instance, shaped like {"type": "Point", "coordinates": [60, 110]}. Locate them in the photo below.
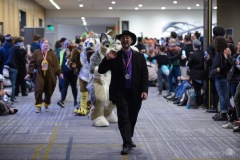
{"type": "Point", "coordinates": [9, 14]}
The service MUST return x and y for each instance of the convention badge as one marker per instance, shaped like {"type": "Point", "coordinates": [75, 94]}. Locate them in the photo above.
{"type": "Point", "coordinates": [44, 65]}
{"type": "Point", "coordinates": [127, 76]}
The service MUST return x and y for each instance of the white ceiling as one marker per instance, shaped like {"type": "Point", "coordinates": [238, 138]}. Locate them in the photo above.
{"type": "Point", "coordinates": [123, 4]}
{"type": "Point", "coordinates": [120, 5]}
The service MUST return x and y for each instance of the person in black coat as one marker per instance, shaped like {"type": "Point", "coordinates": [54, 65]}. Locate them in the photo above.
{"type": "Point", "coordinates": [197, 71]}
{"type": "Point", "coordinates": [22, 70]}
{"type": "Point", "coordinates": [128, 86]}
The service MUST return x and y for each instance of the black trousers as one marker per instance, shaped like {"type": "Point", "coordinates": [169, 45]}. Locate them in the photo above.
{"type": "Point", "coordinates": [127, 112]}
{"type": "Point", "coordinates": [197, 87]}
{"type": "Point", "coordinates": [20, 81]}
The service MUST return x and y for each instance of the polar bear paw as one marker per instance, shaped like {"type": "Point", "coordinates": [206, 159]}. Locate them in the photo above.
{"type": "Point", "coordinates": [112, 118]}
{"type": "Point", "coordinates": [100, 122]}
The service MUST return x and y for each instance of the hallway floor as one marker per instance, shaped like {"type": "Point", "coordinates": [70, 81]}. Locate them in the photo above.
{"type": "Point", "coordinates": [164, 131]}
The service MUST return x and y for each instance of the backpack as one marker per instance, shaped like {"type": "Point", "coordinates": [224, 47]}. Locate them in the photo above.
{"type": "Point", "coordinates": [191, 103]}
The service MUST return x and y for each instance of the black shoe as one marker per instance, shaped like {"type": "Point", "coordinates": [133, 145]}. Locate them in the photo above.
{"type": "Point", "coordinates": [61, 104]}
{"type": "Point", "coordinates": [216, 115]}
{"type": "Point", "coordinates": [236, 129]}
{"type": "Point", "coordinates": [176, 101]}
{"type": "Point", "coordinates": [24, 94]}
{"type": "Point", "coordinates": [221, 117]}
{"type": "Point", "coordinates": [167, 95]}
{"type": "Point", "coordinates": [133, 144]}
{"type": "Point", "coordinates": [126, 149]}
{"type": "Point", "coordinates": [211, 111]}
{"type": "Point", "coordinates": [183, 103]}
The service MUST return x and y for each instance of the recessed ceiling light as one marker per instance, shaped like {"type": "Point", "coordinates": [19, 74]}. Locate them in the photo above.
{"type": "Point", "coordinates": [188, 8]}
{"type": "Point", "coordinates": [140, 5]}
{"type": "Point", "coordinates": [175, 2]}
{"type": "Point", "coordinates": [110, 8]}
{"type": "Point", "coordinates": [136, 8]}
{"type": "Point", "coordinates": [54, 4]}
{"type": "Point", "coordinates": [163, 8]}
{"type": "Point", "coordinates": [214, 7]}
{"type": "Point", "coordinates": [197, 5]}
{"type": "Point", "coordinates": [83, 18]}
{"type": "Point", "coordinates": [113, 2]}
{"type": "Point", "coordinates": [80, 5]}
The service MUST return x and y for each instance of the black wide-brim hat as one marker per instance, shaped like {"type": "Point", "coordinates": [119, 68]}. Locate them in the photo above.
{"type": "Point", "coordinates": [132, 35]}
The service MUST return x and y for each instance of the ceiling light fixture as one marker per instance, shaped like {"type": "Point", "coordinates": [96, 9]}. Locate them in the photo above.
{"type": "Point", "coordinates": [140, 5]}
{"type": "Point", "coordinates": [110, 8]}
{"type": "Point", "coordinates": [188, 8]}
{"type": "Point", "coordinates": [174, 2]}
{"type": "Point", "coordinates": [54, 4]}
{"type": "Point", "coordinates": [197, 5]}
{"type": "Point", "coordinates": [163, 8]}
{"type": "Point", "coordinates": [136, 8]}
{"type": "Point", "coordinates": [113, 2]}
{"type": "Point", "coordinates": [81, 5]}
{"type": "Point", "coordinates": [214, 7]}
{"type": "Point", "coordinates": [83, 18]}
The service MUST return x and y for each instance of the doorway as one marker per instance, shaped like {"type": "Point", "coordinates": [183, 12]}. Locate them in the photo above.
{"type": "Point", "coordinates": [22, 22]}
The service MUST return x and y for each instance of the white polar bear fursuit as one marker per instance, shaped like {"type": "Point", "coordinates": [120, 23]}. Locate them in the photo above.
{"type": "Point", "coordinates": [101, 113]}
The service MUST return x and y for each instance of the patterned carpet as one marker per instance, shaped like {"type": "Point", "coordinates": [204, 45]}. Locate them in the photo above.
{"type": "Point", "coordinates": [164, 131]}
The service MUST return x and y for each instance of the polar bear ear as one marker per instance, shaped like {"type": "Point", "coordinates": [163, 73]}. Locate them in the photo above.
{"type": "Point", "coordinates": [103, 38]}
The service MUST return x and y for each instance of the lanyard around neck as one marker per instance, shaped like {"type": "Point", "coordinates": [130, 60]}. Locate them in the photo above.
{"type": "Point", "coordinates": [129, 60]}
{"type": "Point", "coordinates": [45, 55]}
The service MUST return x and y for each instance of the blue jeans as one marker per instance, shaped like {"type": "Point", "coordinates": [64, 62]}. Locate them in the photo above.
{"type": "Point", "coordinates": [221, 86]}
{"type": "Point", "coordinates": [13, 77]}
{"type": "Point", "coordinates": [175, 72]}
{"type": "Point", "coordinates": [161, 76]}
{"type": "Point", "coordinates": [232, 89]}
{"type": "Point", "coordinates": [181, 89]}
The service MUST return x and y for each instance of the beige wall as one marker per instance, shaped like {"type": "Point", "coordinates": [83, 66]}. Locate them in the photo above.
{"type": "Point", "coordinates": [9, 14]}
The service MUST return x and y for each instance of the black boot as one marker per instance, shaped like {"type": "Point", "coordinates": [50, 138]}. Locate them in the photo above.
{"type": "Point", "coordinates": [221, 117]}
{"type": "Point", "coordinates": [184, 101]}
{"type": "Point", "coordinates": [177, 101]}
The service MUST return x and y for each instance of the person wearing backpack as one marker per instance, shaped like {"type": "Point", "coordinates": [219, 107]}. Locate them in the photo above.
{"type": "Point", "coordinates": [197, 72]}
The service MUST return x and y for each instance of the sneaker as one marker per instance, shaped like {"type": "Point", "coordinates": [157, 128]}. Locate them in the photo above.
{"type": "Point", "coordinates": [61, 104]}
{"type": "Point", "coordinates": [171, 96]}
{"type": "Point", "coordinates": [216, 115]}
{"type": "Point", "coordinates": [228, 125]}
{"type": "Point", "coordinates": [14, 100]}
{"type": "Point", "coordinates": [38, 110]}
{"type": "Point", "coordinates": [167, 95]}
{"type": "Point", "coordinates": [237, 129]}
{"type": "Point", "coordinates": [46, 109]}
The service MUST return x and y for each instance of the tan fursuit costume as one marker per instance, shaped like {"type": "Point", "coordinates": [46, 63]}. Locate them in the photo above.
{"type": "Point", "coordinates": [44, 82]}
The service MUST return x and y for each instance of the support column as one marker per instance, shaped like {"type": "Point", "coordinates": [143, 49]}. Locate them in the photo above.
{"type": "Point", "coordinates": [207, 27]}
